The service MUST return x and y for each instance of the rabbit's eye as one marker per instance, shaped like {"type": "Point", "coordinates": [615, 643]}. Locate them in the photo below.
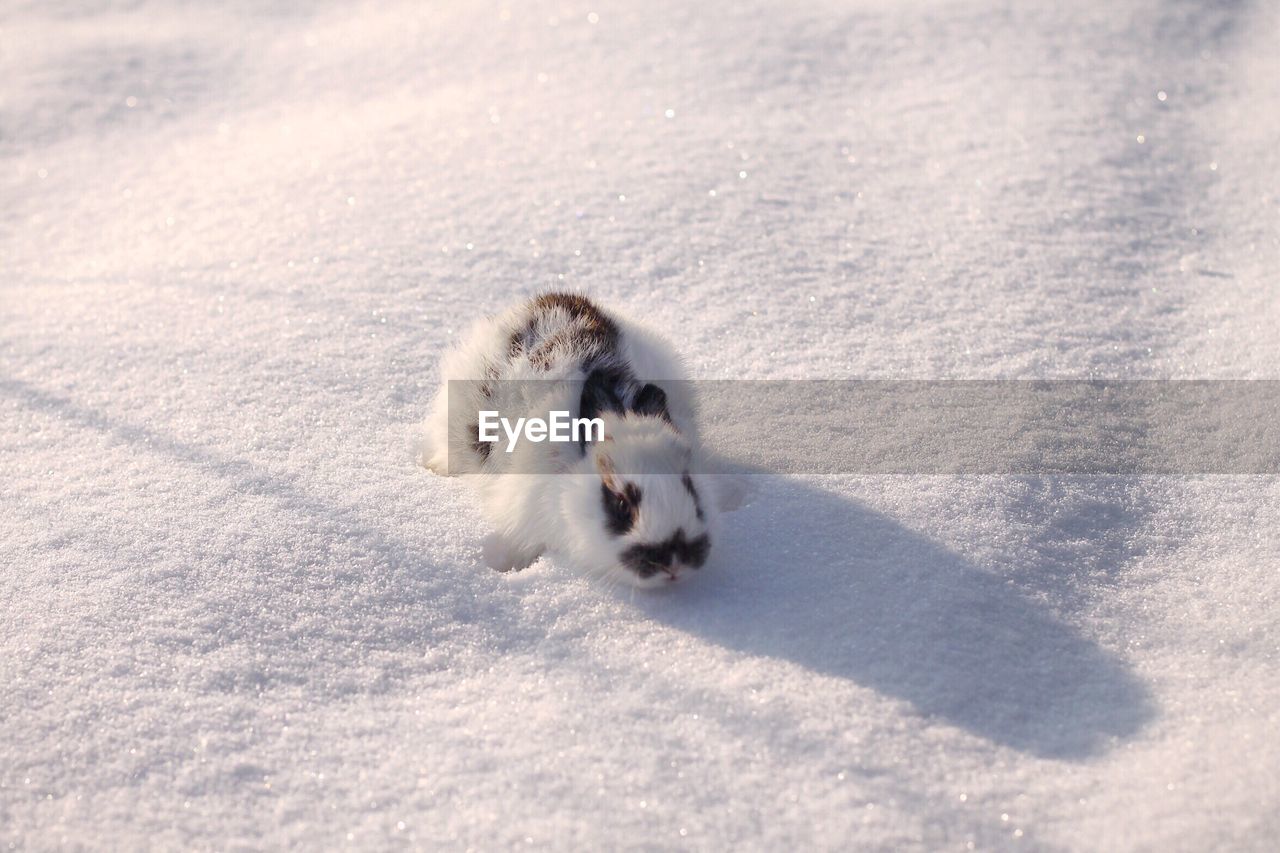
{"type": "Point", "coordinates": [620, 509]}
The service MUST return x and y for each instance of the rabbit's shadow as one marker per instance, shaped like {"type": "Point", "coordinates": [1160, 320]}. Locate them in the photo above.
{"type": "Point", "coordinates": [808, 576]}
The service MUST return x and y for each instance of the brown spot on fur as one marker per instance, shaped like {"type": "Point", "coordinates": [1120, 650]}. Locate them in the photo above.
{"type": "Point", "coordinates": [590, 329]}
{"type": "Point", "coordinates": [543, 356]}
{"type": "Point", "coordinates": [605, 466]}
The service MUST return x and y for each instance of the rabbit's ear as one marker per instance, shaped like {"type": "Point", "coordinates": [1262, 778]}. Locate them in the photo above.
{"type": "Point", "coordinates": [600, 393]}
{"type": "Point", "coordinates": [651, 401]}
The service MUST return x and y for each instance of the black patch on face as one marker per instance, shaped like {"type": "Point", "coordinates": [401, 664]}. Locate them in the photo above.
{"type": "Point", "coordinates": [693, 493]}
{"type": "Point", "coordinates": [647, 560]}
{"type": "Point", "coordinates": [620, 509]}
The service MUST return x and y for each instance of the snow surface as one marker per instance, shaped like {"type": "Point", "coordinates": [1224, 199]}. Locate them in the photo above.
{"type": "Point", "coordinates": [235, 240]}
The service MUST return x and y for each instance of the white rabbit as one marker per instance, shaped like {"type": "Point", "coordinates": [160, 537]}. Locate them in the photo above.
{"type": "Point", "coordinates": [630, 506]}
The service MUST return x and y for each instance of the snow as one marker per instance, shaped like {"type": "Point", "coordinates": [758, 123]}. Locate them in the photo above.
{"type": "Point", "coordinates": [236, 240]}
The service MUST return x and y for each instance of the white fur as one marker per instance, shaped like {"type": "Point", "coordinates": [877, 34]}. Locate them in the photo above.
{"type": "Point", "coordinates": [547, 496]}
